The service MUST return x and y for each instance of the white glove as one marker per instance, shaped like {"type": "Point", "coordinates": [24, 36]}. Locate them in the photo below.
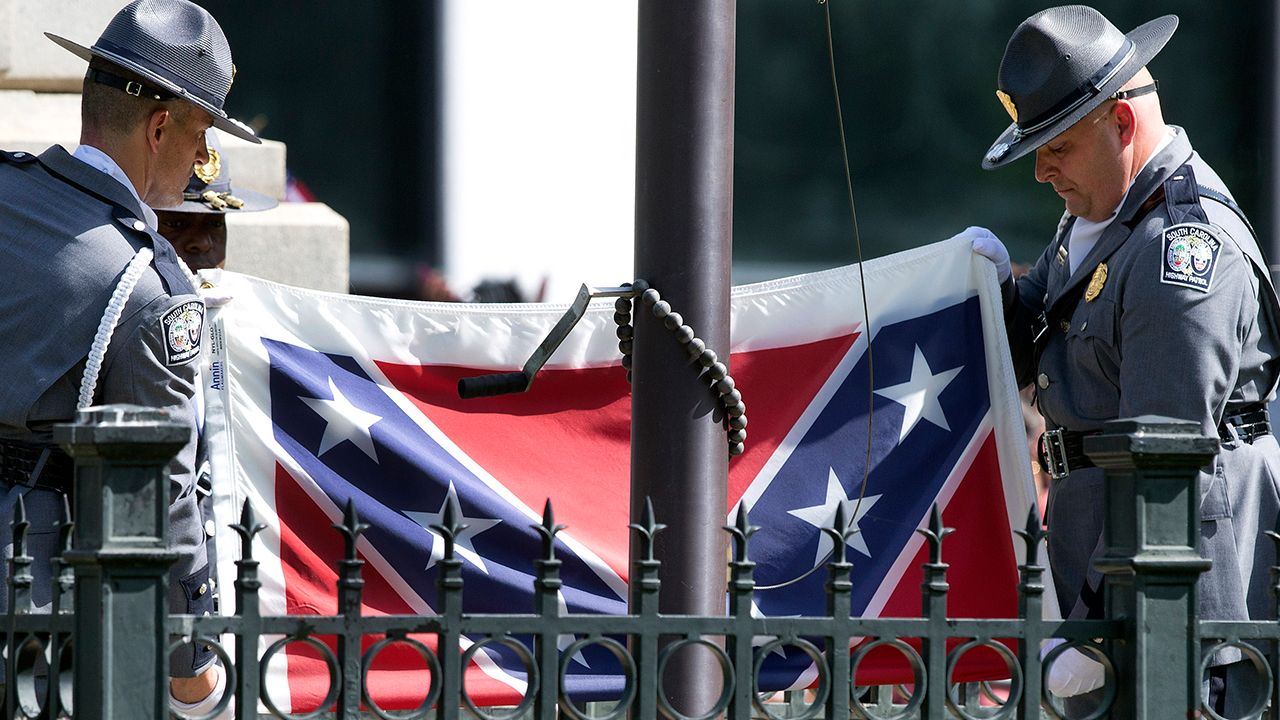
{"type": "Point", "coordinates": [210, 288]}
{"type": "Point", "coordinates": [1073, 672]}
{"type": "Point", "coordinates": [986, 244]}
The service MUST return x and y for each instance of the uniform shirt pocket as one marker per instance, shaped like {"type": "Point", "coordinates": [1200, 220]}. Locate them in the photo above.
{"type": "Point", "coordinates": [1094, 321]}
{"type": "Point", "coordinates": [1214, 504]}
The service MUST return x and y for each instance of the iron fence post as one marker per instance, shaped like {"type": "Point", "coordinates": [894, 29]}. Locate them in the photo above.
{"type": "Point", "coordinates": [350, 590]}
{"type": "Point", "coordinates": [449, 640]}
{"type": "Point", "coordinates": [933, 608]}
{"type": "Point", "coordinates": [741, 590]}
{"type": "Point", "coordinates": [1030, 608]}
{"type": "Point", "coordinates": [839, 608]}
{"type": "Point", "coordinates": [546, 603]}
{"type": "Point", "coordinates": [1152, 561]}
{"type": "Point", "coordinates": [247, 586]}
{"type": "Point", "coordinates": [121, 558]}
{"type": "Point", "coordinates": [645, 586]}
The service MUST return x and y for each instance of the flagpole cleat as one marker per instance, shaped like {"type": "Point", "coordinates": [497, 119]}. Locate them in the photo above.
{"type": "Point", "coordinates": [716, 371]}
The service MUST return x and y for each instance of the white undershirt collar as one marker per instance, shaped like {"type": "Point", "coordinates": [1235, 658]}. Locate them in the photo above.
{"type": "Point", "coordinates": [102, 162]}
{"type": "Point", "coordinates": [1085, 233]}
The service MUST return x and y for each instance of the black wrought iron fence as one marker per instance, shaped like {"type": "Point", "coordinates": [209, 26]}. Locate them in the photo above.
{"type": "Point", "coordinates": [109, 602]}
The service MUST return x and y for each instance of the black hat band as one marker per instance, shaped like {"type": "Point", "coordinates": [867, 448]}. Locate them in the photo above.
{"type": "Point", "coordinates": [1088, 89]}
{"type": "Point", "coordinates": [132, 87]}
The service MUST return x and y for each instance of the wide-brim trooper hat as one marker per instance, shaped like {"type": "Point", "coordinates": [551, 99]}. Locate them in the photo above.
{"type": "Point", "coordinates": [1059, 65]}
{"type": "Point", "coordinates": [210, 189]}
{"type": "Point", "coordinates": [175, 44]}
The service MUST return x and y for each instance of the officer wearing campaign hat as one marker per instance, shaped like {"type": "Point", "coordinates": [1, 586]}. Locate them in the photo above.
{"type": "Point", "coordinates": [1151, 298]}
{"type": "Point", "coordinates": [95, 306]}
{"type": "Point", "coordinates": [197, 226]}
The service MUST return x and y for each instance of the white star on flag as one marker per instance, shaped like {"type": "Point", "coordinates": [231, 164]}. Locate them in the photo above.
{"type": "Point", "coordinates": [824, 515]}
{"type": "Point", "coordinates": [462, 543]}
{"type": "Point", "coordinates": [919, 395]}
{"type": "Point", "coordinates": [345, 422]}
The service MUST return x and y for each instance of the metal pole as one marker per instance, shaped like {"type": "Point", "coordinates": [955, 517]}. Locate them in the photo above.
{"type": "Point", "coordinates": [121, 558]}
{"type": "Point", "coordinates": [683, 240]}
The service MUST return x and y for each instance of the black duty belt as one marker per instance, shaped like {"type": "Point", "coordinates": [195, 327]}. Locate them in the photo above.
{"type": "Point", "coordinates": [1061, 451]}
{"type": "Point", "coordinates": [1247, 426]}
{"type": "Point", "coordinates": [36, 464]}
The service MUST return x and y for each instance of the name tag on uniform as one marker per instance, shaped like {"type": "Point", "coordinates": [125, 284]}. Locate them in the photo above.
{"type": "Point", "coordinates": [1190, 256]}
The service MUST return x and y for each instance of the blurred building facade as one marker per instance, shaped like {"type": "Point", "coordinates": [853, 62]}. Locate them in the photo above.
{"type": "Point", "coordinates": [361, 93]}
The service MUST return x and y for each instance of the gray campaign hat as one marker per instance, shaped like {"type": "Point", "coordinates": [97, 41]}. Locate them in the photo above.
{"type": "Point", "coordinates": [210, 191]}
{"type": "Point", "coordinates": [1060, 64]}
{"type": "Point", "coordinates": [175, 44]}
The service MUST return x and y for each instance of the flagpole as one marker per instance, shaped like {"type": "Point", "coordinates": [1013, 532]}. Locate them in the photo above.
{"type": "Point", "coordinates": [683, 246]}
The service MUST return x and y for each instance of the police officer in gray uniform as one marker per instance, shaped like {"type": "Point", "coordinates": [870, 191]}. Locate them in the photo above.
{"type": "Point", "coordinates": [94, 306]}
{"type": "Point", "coordinates": [1152, 299]}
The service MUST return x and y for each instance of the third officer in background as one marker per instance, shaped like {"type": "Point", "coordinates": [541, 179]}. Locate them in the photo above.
{"type": "Point", "coordinates": [197, 227]}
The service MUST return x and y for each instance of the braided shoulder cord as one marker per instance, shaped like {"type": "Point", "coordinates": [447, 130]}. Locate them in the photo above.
{"type": "Point", "coordinates": [107, 326]}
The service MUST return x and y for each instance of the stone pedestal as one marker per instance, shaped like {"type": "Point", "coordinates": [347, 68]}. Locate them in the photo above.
{"type": "Point", "coordinates": [302, 244]}
{"type": "Point", "coordinates": [29, 61]}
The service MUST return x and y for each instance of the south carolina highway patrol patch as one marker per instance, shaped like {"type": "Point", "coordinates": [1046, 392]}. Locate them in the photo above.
{"type": "Point", "coordinates": [181, 327]}
{"type": "Point", "coordinates": [1190, 256]}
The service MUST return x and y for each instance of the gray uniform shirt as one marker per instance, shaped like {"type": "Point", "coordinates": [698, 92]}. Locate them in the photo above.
{"type": "Point", "coordinates": [67, 233]}
{"type": "Point", "coordinates": [1147, 344]}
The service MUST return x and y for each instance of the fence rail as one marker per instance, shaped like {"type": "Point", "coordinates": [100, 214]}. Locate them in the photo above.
{"type": "Point", "coordinates": [111, 588]}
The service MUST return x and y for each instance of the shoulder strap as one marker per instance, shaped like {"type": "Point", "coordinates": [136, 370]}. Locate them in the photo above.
{"type": "Point", "coordinates": [1222, 199]}
{"type": "Point", "coordinates": [1184, 195]}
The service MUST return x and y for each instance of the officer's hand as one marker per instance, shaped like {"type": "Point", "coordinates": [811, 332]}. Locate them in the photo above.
{"type": "Point", "coordinates": [986, 244]}
{"type": "Point", "coordinates": [210, 288]}
{"type": "Point", "coordinates": [1073, 672]}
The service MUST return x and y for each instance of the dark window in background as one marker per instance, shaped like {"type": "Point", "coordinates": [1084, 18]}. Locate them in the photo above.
{"type": "Point", "coordinates": [352, 89]}
{"type": "Point", "coordinates": [917, 80]}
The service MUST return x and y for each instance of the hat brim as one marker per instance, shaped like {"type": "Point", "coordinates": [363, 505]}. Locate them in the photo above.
{"type": "Point", "coordinates": [253, 202]}
{"type": "Point", "coordinates": [1148, 40]}
{"type": "Point", "coordinates": [220, 119]}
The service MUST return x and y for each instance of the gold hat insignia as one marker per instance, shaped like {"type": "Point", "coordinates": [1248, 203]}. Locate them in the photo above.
{"type": "Point", "coordinates": [1007, 102]}
{"type": "Point", "coordinates": [1096, 282]}
{"type": "Point", "coordinates": [208, 172]}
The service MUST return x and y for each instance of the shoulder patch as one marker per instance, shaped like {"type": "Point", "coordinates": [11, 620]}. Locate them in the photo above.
{"type": "Point", "coordinates": [181, 327]}
{"type": "Point", "coordinates": [1190, 255]}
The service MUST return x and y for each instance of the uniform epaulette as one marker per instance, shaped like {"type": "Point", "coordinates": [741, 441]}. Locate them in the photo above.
{"type": "Point", "coordinates": [17, 157]}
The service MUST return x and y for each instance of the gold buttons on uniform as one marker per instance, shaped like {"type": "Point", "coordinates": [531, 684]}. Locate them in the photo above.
{"type": "Point", "coordinates": [1043, 381]}
{"type": "Point", "coordinates": [1064, 325]}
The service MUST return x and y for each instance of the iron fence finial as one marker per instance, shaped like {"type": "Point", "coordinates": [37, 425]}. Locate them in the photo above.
{"type": "Point", "coordinates": [548, 529]}
{"type": "Point", "coordinates": [935, 534]}
{"type": "Point", "coordinates": [840, 532]}
{"type": "Point", "coordinates": [449, 527]}
{"type": "Point", "coordinates": [351, 529]}
{"type": "Point", "coordinates": [67, 526]}
{"type": "Point", "coordinates": [648, 527]}
{"type": "Point", "coordinates": [741, 531]}
{"type": "Point", "coordinates": [1032, 535]}
{"type": "Point", "coordinates": [20, 527]}
{"type": "Point", "coordinates": [247, 528]}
